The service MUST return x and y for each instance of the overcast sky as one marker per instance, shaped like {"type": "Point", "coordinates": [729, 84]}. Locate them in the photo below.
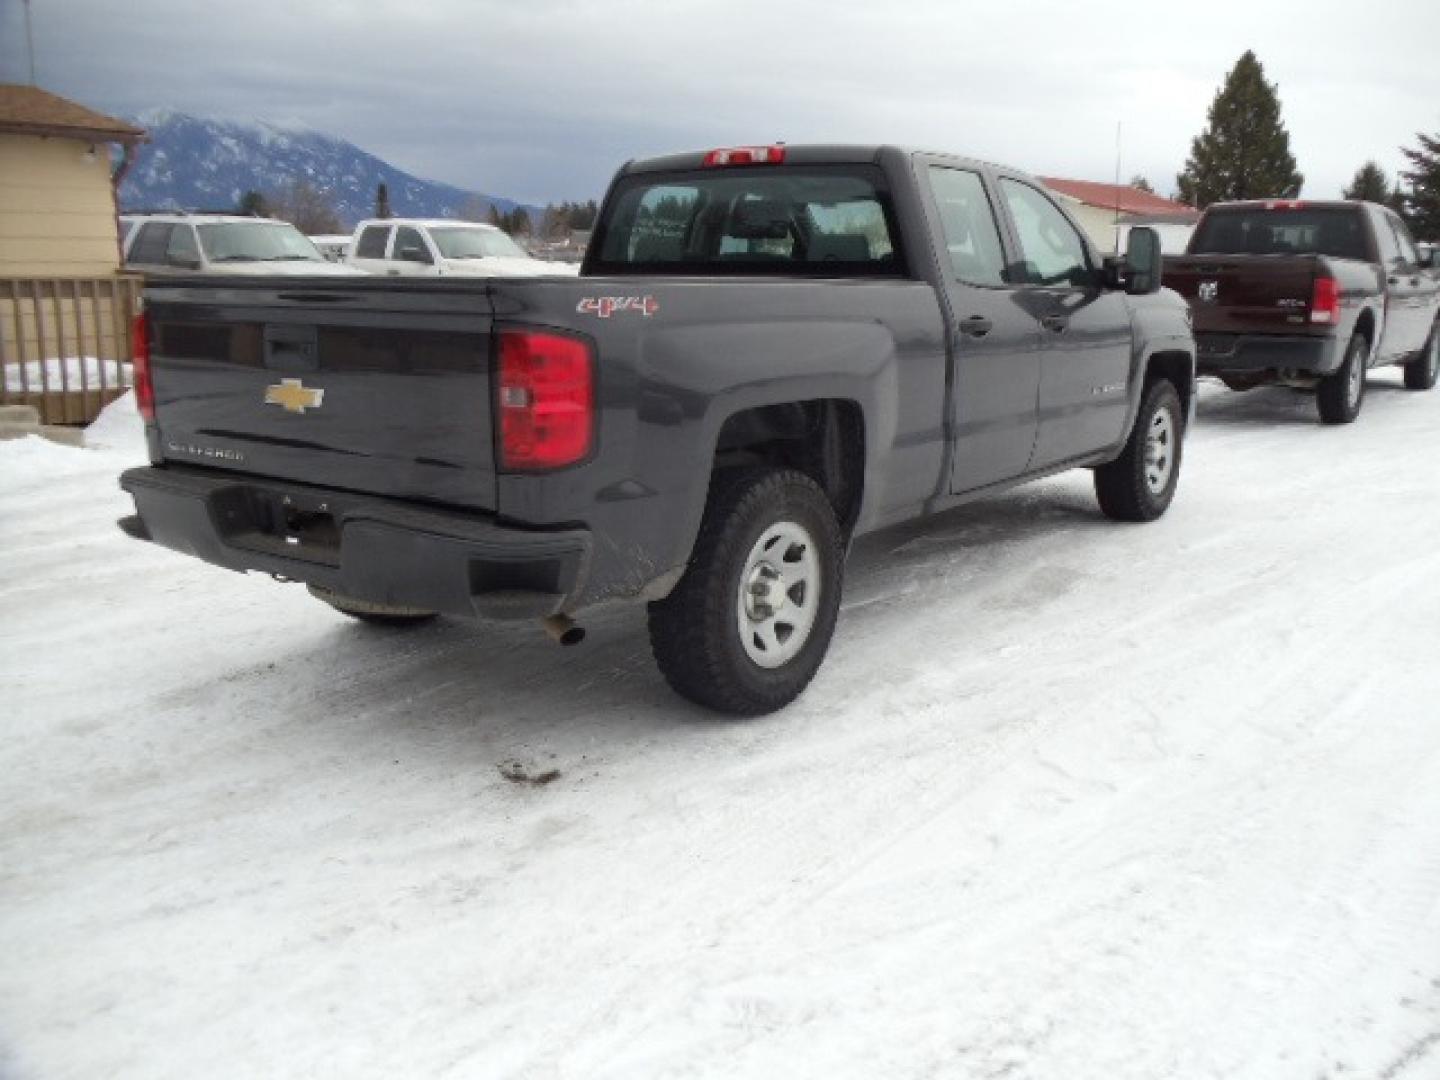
{"type": "Point", "coordinates": [541, 99]}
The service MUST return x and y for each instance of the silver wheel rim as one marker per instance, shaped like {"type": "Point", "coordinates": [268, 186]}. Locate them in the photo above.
{"type": "Point", "coordinates": [779, 594]}
{"type": "Point", "coordinates": [1159, 451]}
{"type": "Point", "coordinates": [1357, 377]}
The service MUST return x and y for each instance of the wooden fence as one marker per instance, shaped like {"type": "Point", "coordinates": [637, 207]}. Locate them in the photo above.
{"type": "Point", "coordinates": [65, 343]}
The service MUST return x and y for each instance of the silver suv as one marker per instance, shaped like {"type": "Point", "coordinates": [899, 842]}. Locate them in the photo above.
{"type": "Point", "coordinates": [182, 243]}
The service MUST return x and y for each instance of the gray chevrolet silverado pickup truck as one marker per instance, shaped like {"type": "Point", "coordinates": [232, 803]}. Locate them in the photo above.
{"type": "Point", "coordinates": [769, 351]}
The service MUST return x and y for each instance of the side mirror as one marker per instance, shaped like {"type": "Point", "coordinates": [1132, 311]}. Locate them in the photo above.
{"type": "Point", "coordinates": [1142, 261]}
{"type": "Point", "coordinates": [414, 254]}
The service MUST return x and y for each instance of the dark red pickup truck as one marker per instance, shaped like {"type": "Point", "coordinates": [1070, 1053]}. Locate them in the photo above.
{"type": "Point", "coordinates": [1309, 294]}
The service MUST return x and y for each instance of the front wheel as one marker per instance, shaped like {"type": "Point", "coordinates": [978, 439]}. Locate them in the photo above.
{"type": "Point", "coordinates": [1420, 373]}
{"type": "Point", "coordinates": [1340, 395]}
{"type": "Point", "coordinates": [749, 623]}
{"type": "Point", "coordinates": [1140, 484]}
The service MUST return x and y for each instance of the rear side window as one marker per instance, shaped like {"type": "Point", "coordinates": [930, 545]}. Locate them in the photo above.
{"type": "Point", "coordinates": [372, 242]}
{"type": "Point", "coordinates": [410, 245]}
{"type": "Point", "coordinates": [817, 221]}
{"type": "Point", "coordinates": [972, 238]}
{"type": "Point", "coordinates": [150, 243]}
{"type": "Point", "coordinates": [1338, 231]}
{"type": "Point", "coordinates": [1053, 252]}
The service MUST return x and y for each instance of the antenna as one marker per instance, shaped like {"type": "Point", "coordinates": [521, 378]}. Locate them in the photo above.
{"type": "Point", "coordinates": [1117, 187]}
{"type": "Point", "coordinates": [30, 42]}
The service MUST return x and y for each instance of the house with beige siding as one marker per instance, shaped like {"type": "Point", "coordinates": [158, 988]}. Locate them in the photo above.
{"type": "Point", "coordinates": [1107, 212]}
{"type": "Point", "coordinates": [65, 305]}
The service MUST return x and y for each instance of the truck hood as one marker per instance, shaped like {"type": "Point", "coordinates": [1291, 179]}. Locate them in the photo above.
{"type": "Point", "coordinates": [284, 269]}
{"type": "Point", "coordinates": [506, 267]}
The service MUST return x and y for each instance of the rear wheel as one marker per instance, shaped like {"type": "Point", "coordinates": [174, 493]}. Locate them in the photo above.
{"type": "Point", "coordinates": [1140, 484]}
{"type": "Point", "coordinates": [1420, 373]}
{"type": "Point", "coordinates": [748, 625]}
{"type": "Point", "coordinates": [375, 614]}
{"type": "Point", "coordinates": [1340, 395]}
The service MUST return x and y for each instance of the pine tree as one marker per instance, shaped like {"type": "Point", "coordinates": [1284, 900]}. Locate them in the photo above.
{"type": "Point", "coordinates": [1421, 204]}
{"type": "Point", "coordinates": [1139, 183]}
{"type": "Point", "coordinates": [1244, 152]}
{"type": "Point", "coordinates": [382, 200]}
{"type": "Point", "coordinates": [1369, 184]}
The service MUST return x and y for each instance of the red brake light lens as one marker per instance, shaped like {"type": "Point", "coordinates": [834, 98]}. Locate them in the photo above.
{"type": "Point", "coordinates": [1285, 204]}
{"type": "Point", "coordinates": [745, 155]}
{"type": "Point", "coordinates": [140, 366]}
{"type": "Point", "coordinates": [545, 400]}
{"type": "Point", "coordinates": [1325, 301]}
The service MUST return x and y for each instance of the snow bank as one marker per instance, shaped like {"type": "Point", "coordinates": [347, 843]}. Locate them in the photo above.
{"type": "Point", "coordinates": [118, 426]}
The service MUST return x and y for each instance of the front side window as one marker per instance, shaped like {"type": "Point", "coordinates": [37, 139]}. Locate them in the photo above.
{"type": "Point", "coordinates": [462, 242]}
{"type": "Point", "coordinates": [1409, 253]}
{"type": "Point", "coordinates": [372, 242]}
{"type": "Point", "coordinates": [817, 221]}
{"type": "Point", "coordinates": [972, 238]}
{"type": "Point", "coordinates": [256, 241]}
{"type": "Point", "coordinates": [1052, 250]}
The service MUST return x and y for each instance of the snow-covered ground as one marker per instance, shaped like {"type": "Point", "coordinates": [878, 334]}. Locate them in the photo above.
{"type": "Point", "coordinates": [1069, 800]}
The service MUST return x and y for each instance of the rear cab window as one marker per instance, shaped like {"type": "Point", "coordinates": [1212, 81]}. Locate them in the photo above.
{"type": "Point", "coordinates": [1255, 230]}
{"type": "Point", "coordinates": [792, 220]}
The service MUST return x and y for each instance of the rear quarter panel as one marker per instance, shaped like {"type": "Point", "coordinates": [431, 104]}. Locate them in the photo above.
{"type": "Point", "coordinates": [683, 356]}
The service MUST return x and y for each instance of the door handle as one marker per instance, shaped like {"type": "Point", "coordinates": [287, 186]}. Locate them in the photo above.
{"type": "Point", "coordinates": [1057, 323]}
{"type": "Point", "coordinates": [976, 326]}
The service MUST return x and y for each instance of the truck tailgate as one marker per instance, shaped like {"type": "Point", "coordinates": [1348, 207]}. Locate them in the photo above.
{"type": "Point", "coordinates": [367, 385]}
{"type": "Point", "coordinates": [1246, 294]}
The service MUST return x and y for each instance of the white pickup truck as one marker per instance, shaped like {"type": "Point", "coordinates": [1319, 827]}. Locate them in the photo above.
{"type": "Point", "coordinates": [444, 248]}
{"type": "Point", "coordinates": [183, 243]}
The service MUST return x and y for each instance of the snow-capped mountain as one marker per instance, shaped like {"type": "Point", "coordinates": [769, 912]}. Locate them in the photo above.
{"type": "Point", "coordinates": [196, 163]}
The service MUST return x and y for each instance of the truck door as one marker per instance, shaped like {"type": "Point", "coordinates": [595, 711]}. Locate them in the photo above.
{"type": "Point", "coordinates": [1411, 290]}
{"type": "Point", "coordinates": [994, 338]}
{"type": "Point", "coordinates": [1085, 366]}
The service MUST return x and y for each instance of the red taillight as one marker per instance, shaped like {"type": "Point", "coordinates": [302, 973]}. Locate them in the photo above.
{"type": "Point", "coordinates": [140, 366]}
{"type": "Point", "coordinates": [1285, 204]}
{"type": "Point", "coordinates": [745, 155]}
{"type": "Point", "coordinates": [546, 400]}
{"type": "Point", "coordinates": [1325, 301]}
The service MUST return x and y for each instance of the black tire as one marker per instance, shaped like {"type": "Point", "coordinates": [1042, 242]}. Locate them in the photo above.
{"type": "Point", "coordinates": [1421, 372]}
{"type": "Point", "coordinates": [374, 614]}
{"type": "Point", "coordinates": [695, 632]}
{"type": "Point", "coordinates": [1339, 396]}
{"type": "Point", "coordinates": [1135, 486]}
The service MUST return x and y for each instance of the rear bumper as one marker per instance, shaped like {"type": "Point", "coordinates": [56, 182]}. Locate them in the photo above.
{"type": "Point", "coordinates": [369, 548]}
{"type": "Point", "coordinates": [1258, 354]}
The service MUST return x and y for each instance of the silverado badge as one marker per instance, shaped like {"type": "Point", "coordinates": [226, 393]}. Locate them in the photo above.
{"type": "Point", "coordinates": [292, 395]}
{"type": "Point", "coordinates": [1208, 291]}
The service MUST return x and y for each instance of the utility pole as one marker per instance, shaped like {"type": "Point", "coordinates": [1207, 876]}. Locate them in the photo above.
{"type": "Point", "coordinates": [30, 42]}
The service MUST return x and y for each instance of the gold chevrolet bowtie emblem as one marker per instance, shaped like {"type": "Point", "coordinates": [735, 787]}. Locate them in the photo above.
{"type": "Point", "coordinates": [294, 396]}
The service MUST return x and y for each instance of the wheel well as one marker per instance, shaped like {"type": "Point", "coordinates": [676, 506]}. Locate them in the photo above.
{"type": "Point", "coordinates": [1365, 327]}
{"type": "Point", "coordinates": [1179, 368]}
{"type": "Point", "coordinates": [823, 439]}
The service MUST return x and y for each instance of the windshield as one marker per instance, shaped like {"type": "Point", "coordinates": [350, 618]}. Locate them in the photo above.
{"type": "Point", "coordinates": [818, 221]}
{"type": "Point", "coordinates": [256, 241]}
{"type": "Point", "coordinates": [1337, 231]}
{"type": "Point", "coordinates": [463, 243]}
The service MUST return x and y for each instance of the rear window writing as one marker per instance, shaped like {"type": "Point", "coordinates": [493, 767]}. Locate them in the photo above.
{"type": "Point", "coordinates": [1339, 232]}
{"type": "Point", "coordinates": [818, 221]}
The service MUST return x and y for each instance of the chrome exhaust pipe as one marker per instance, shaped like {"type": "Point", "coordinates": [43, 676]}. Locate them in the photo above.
{"type": "Point", "coordinates": [562, 629]}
